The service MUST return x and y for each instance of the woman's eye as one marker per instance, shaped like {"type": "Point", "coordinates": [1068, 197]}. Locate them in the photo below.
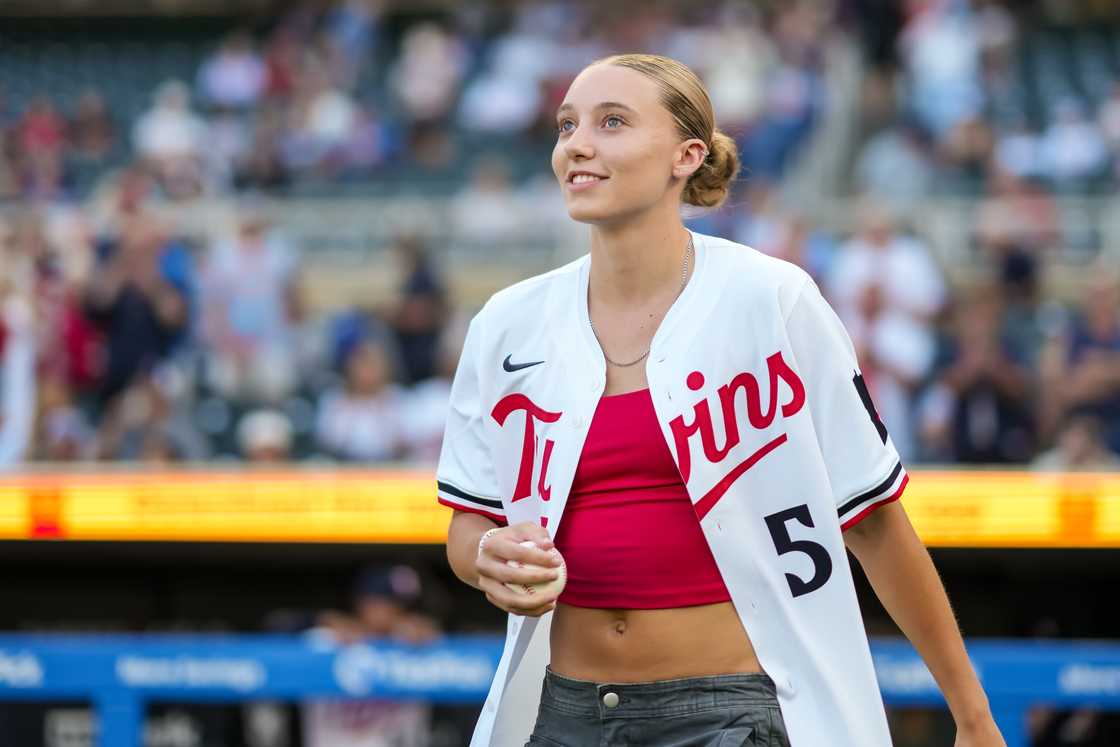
{"type": "Point", "coordinates": [614, 119]}
{"type": "Point", "coordinates": [560, 126]}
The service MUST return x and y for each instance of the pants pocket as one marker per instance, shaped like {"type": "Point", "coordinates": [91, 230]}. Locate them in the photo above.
{"type": "Point", "coordinates": [737, 736]}
{"type": "Point", "coordinates": [535, 741]}
{"type": "Point", "coordinates": [777, 728]}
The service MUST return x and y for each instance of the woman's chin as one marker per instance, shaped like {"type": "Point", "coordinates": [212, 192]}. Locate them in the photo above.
{"type": "Point", "coordinates": [590, 214]}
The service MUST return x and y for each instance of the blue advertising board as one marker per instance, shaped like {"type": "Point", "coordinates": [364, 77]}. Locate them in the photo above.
{"type": "Point", "coordinates": [120, 674]}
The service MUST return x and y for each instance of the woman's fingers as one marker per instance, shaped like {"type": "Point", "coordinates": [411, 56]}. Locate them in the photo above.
{"type": "Point", "coordinates": [501, 571]}
{"type": "Point", "coordinates": [528, 530]}
{"type": "Point", "coordinates": [533, 555]}
{"type": "Point", "coordinates": [499, 595]}
{"type": "Point", "coordinates": [506, 545]}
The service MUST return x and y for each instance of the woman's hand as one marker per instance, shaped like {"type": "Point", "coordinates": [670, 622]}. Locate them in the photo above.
{"type": "Point", "coordinates": [494, 572]}
{"type": "Point", "coordinates": [982, 733]}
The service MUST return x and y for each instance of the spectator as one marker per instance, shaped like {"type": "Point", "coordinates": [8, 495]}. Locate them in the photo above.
{"type": "Point", "coordinates": [1108, 120]}
{"type": "Point", "coordinates": [265, 437]}
{"type": "Point", "coordinates": [429, 71]}
{"type": "Point", "coordinates": [793, 100]}
{"type": "Point", "coordinates": [941, 47]}
{"type": "Point", "coordinates": [384, 601]}
{"type": "Point", "coordinates": [1073, 150]}
{"type": "Point", "coordinates": [736, 57]}
{"type": "Point", "coordinates": [263, 165]}
{"type": "Point", "coordinates": [1087, 375]}
{"type": "Point", "coordinates": [888, 290]}
{"type": "Point", "coordinates": [62, 433]}
{"type": "Point", "coordinates": [281, 63]}
{"type": "Point", "coordinates": [42, 130]}
{"type": "Point", "coordinates": [249, 286]}
{"type": "Point", "coordinates": [979, 409]}
{"type": "Point", "coordinates": [363, 420]}
{"type": "Point", "coordinates": [17, 376]}
{"type": "Point", "coordinates": [321, 123]}
{"type": "Point", "coordinates": [383, 607]}
{"type": "Point", "coordinates": [421, 309]}
{"type": "Point", "coordinates": [144, 425]}
{"type": "Point", "coordinates": [234, 76]}
{"type": "Point", "coordinates": [35, 272]}
{"type": "Point", "coordinates": [351, 28]}
{"type": "Point", "coordinates": [227, 137]}
{"type": "Point", "coordinates": [880, 255]}
{"type": "Point", "coordinates": [501, 101]}
{"type": "Point", "coordinates": [1016, 214]}
{"type": "Point", "coordinates": [40, 139]}
{"type": "Point", "coordinates": [92, 133]}
{"type": "Point", "coordinates": [486, 209]}
{"type": "Point", "coordinates": [966, 152]}
{"type": "Point", "coordinates": [1080, 445]}
{"type": "Point", "coordinates": [895, 166]}
{"type": "Point", "coordinates": [1025, 317]}
{"type": "Point", "coordinates": [133, 301]}
{"type": "Point", "coordinates": [1018, 151]}
{"type": "Point", "coordinates": [172, 138]}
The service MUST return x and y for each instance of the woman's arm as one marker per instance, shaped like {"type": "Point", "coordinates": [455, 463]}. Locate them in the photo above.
{"type": "Point", "coordinates": [488, 570]}
{"type": "Point", "coordinates": [462, 544]}
{"type": "Point", "coordinates": [904, 578]}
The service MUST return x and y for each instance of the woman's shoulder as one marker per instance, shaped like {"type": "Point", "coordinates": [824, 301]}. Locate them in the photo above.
{"type": "Point", "coordinates": [748, 272]}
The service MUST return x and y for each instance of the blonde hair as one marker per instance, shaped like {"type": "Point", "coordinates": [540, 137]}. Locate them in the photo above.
{"type": "Point", "coordinates": [684, 96]}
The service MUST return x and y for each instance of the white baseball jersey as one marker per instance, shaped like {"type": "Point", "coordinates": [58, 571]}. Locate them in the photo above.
{"type": "Point", "coordinates": [758, 393]}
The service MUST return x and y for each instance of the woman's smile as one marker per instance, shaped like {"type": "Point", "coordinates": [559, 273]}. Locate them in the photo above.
{"type": "Point", "coordinates": [582, 182]}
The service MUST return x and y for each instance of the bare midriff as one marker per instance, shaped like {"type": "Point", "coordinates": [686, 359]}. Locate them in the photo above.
{"type": "Point", "coordinates": [631, 645]}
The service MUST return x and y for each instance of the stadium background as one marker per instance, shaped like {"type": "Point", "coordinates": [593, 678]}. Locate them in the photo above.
{"type": "Point", "coordinates": [239, 242]}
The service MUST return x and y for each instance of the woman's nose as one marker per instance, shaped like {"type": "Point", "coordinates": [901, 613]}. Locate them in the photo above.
{"type": "Point", "coordinates": [579, 144]}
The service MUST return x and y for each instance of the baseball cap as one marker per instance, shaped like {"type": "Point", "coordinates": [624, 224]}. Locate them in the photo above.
{"type": "Point", "coordinates": [400, 583]}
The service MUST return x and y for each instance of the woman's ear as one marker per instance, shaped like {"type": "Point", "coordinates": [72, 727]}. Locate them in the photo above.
{"type": "Point", "coordinates": [690, 157]}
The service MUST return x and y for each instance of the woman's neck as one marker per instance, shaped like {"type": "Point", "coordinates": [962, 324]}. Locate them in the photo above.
{"type": "Point", "coordinates": [638, 262]}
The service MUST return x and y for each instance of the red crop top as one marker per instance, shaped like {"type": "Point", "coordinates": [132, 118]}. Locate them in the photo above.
{"type": "Point", "coordinates": [629, 536]}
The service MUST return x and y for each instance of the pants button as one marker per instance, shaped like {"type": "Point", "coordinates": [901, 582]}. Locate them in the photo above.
{"type": "Point", "coordinates": [610, 700]}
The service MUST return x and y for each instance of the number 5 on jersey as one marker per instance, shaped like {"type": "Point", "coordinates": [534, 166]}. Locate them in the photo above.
{"type": "Point", "coordinates": [783, 543]}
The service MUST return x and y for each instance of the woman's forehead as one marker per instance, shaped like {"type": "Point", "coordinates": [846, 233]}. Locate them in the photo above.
{"type": "Point", "coordinates": [611, 83]}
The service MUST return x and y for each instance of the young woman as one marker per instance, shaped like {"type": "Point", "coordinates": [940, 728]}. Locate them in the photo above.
{"type": "Point", "coordinates": [684, 420]}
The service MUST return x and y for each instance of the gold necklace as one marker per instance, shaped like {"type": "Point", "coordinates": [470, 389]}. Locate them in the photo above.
{"type": "Point", "coordinates": [688, 252]}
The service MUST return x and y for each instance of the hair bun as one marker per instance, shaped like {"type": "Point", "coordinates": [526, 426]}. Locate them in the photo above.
{"type": "Point", "coordinates": [710, 184]}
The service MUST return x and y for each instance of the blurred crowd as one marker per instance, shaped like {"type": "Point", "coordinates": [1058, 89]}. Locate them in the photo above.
{"type": "Point", "coordinates": [361, 90]}
{"type": "Point", "coordinates": [990, 98]}
{"type": "Point", "coordinates": [955, 101]}
{"type": "Point", "coordinates": [123, 341]}
{"type": "Point", "coordinates": [124, 338]}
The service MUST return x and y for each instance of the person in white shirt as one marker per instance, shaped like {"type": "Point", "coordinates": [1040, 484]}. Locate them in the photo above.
{"type": "Point", "coordinates": [17, 379]}
{"type": "Point", "coordinates": [364, 419]}
{"type": "Point", "coordinates": [684, 420]}
{"type": "Point", "coordinates": [887, 290]}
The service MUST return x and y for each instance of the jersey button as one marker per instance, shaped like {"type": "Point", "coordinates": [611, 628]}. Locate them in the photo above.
{"type": "Point", "coordinates": [610, 700]}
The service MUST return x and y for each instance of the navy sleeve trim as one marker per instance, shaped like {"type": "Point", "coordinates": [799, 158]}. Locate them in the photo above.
{"type": "Point", "coordinates": [451, 490]}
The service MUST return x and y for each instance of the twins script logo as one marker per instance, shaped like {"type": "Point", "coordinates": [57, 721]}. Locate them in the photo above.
{"type": "Point", "coordinates": [701, 423]}
{"type": "Point", "coordinates": [518, 402]}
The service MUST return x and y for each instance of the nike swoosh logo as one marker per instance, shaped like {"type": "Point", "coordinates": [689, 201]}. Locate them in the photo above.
{"type": "Point", "coordinates": [511, 367]}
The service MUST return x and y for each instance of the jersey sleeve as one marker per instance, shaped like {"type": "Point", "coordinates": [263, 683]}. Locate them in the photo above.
{"type": "Point", "coordinates": [465, 478]}
{"type": "Point", "coordinates": [864, 469]}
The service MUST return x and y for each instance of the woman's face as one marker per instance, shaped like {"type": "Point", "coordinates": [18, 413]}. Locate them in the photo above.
{"type": "Point", "coordinates": [367, 370]}
{"type": "Point", "coordinates": [613, 126]}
